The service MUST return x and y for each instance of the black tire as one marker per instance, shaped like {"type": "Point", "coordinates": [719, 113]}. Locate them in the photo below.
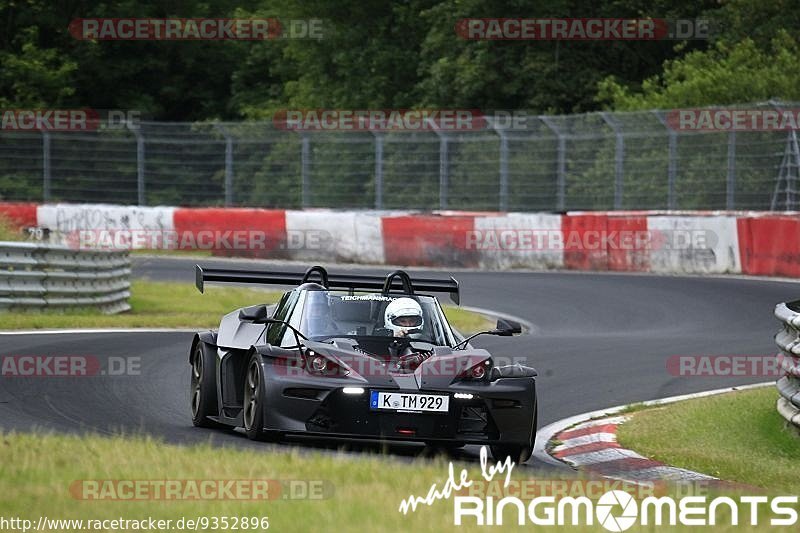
{"type": "Point", "coordinates": [203, 389]}
{"type": "Point", "coordinates": [519, 453]}
{"type": "Point", "coordinates": [253, 404]}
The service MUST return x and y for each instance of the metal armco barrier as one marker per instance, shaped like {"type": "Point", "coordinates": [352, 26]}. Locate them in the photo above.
{"type": "Point", "coordinates": [788, 340]}
{"type": "Point", "coordinates": [34, 276]}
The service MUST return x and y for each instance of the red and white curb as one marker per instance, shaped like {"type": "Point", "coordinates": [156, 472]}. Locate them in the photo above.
{"type": "Point", "coordinates": [588, 442]}
{"type": "Point", "coordinates": [593, 448]}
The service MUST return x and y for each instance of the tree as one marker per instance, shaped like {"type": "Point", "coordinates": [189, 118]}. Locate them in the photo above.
{"type": "Point", "coordinates": [728, 74]}
{"type": "Point", "coordinates": [33, 73]}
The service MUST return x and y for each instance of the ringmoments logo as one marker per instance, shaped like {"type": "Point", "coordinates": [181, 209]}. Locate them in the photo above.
{"type": "Point", "coordinates": [614, 510]}
{"type": "Point", "coordinates": [619, 511]}
{"type": "Point", "coordinates": [605, 510]}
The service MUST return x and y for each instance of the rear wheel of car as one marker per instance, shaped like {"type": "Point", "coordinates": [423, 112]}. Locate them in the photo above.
{"type": "Point", "coordinates": [253, 408]}
{"type": "Point", "coordinates": [203, 389]}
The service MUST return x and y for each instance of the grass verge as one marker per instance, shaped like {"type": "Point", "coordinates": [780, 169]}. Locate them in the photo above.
{"type": "Point", "coordinates": [467, 322]}
{"type": "Point", "coordinates": [37, 473]}
{"type": "Point", "coordinates": [737, 436]}
{"type": "Point", "coordinates": [179, 305]}
{"type": "Point", "coordinates": [153, 304]}
{"type": "Point", "coordinates": [9, 231]}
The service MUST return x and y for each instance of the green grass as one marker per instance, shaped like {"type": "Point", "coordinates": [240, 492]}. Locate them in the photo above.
{"type": "Point", "coordinates": [36, 472]}
{"type": "Point", "coordinates": [737, 436]}
{"type": "Point", "coordinates": [9, 231]}
{"type": "Point", "coordinates": [180, 305]}
{"type": "Point", "coordinates": [467, 322]}
{"type": "Point", "coordinates": [41, 474]}
{"type": "Point", "coordinates": [153, 304]}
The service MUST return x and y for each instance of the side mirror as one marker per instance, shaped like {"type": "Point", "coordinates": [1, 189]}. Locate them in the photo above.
{"type": "Point", "coordinates": [256, 314]}
{"type": "Point", "coordinates": [507, 328]}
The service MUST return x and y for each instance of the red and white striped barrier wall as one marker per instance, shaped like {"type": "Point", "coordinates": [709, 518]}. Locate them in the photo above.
{"type": "Point", "coordinates": [344, 236]}
{"type": "Point", "coordinates": [21, 214]}
{"type": "Point", "coordinates": [219, 229]}
{"type": "Point", "coordinates": [634, 241]}
{"type": "Point", "coordinates": [769, 245]}
{"type": "Point", "coordinates": [516, 253]}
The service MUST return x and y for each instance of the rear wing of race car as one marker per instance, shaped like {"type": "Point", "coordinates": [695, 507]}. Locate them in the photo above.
{"type": "Point", "coordinates": [397, 281]}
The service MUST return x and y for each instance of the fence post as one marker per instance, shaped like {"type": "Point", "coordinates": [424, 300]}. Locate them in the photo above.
{"type": "Point", "coordinates": [503, 194]}
{"type": "Point", "coordinates": [46, 166]}
{"type": "Point", "coordinates": [444, 170]}
{"type": "Point", "coordinates": [228, 163]}
{"type": "Point", "coordinates": [730, 196]}
{"type": "Point", "coordinates": [305, 160]}
{"type": "Point", "coordinates": [792, 151]}
{"type": "Point", "coordinates": [672, 170]}
{"type": "Point", "coordinates": [378, 169]}
{"type": "Point", "coordinates": [619, 159]}
{"type": "Point", "coordinates": [672, 160]}
{"type": "Point", "coordinates": [561, 163]}
{"type": "Point", "coordinates": [444, 164]}
{"type": "Point", "coordinates": [140, 155]}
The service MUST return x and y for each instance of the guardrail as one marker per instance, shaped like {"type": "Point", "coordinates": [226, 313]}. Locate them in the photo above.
{"type": "Point", "coordinates": [34, 276]}
{"type": "Point", "coordinates": [788, 340]}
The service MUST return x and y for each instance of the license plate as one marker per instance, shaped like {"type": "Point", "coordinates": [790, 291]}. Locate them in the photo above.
{"type": "Point", "coordinates": [402, 401]}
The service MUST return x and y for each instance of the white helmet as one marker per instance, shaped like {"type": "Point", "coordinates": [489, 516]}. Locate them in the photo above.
{"type": "Point", "coordinates": [404, 317]}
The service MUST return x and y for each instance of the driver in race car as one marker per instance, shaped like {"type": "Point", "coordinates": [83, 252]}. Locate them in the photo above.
{"type": "Point", "coordinates": [403, 317]}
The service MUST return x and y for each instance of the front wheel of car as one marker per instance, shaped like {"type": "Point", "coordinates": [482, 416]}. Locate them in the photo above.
{"type": "Point", "coordinates": [519, 453]}
{"type": "Point", "coordinates": [203, 390]}
{"type": "Point", "coordinates": [254, 401]}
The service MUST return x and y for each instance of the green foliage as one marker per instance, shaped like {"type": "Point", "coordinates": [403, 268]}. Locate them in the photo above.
{"type": "Point", "coordinates": [727, 74]}
{"type": "Point", "coordinates": [545, 76]}
{"type": "Point", "coordinates": [375, 54]}
{"type": "Point", "coordinates": [32, 76]}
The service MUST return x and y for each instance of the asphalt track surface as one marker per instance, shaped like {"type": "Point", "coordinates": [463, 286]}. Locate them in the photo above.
{"type": "Point", "coordinates": [598, 340]}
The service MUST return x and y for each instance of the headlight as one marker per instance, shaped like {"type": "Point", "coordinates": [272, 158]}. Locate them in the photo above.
{"type": "Point", "coordinates": [320, 365]}
{"type": "Point", "coordinates": [477, 372]}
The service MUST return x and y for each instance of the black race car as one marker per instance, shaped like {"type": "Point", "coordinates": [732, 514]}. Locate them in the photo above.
{"type": "Point", "coordinates": [358, 357]}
